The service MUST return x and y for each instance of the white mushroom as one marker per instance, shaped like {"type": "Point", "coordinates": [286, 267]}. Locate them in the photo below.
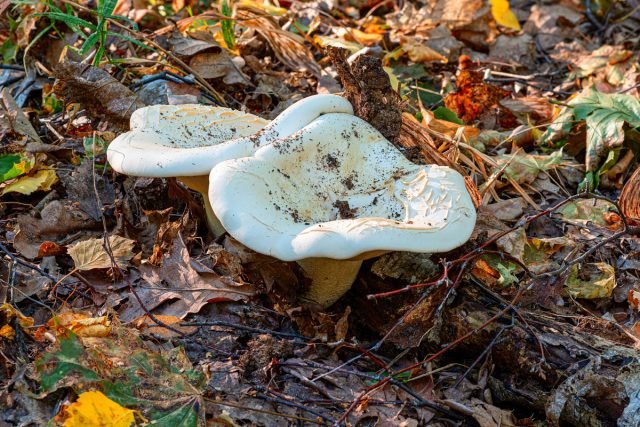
{"type": "Point", "coordinates": [186, 141]}
{"type": "Point", "coordinates": [335, 193]}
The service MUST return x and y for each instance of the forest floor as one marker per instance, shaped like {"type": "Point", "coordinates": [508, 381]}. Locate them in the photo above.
{"type": "Point", "coordinates": [117, 306]}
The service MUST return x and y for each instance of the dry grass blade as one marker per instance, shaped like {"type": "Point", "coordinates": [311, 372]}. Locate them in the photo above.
{"type": "Point", "coordinates": [288, 47]}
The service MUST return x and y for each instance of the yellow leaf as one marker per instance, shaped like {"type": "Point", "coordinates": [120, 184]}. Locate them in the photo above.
{"type": "Point", "coordinates": [355, 35]}
{"type": "Point", "coordinates": [7, 332]}
{"type": "Point", "coordinates": [90, 254]}
{"type": "Point", "coordinates": [94, 409]}
{"type": "Point", "coordinates": [81, 324]}
{"type": "Point", "coordinates": [595, 280]}
{"type": "Point", "coordinates": [40, 181]}
{"type": "Point", "coordinates": [264, 6]}
{"type": "Point", "coordinates": [10, 312]}
{"type": "Point", "coordinates": [503, 14]}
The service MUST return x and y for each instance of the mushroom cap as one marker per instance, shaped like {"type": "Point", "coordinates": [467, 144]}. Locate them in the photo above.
{"type": "Point", "coordinates": [338, 189]}
{"type": "Point", "coordinates": [188, 140]}
{"type": "Point", "coordinates": [177, 140]}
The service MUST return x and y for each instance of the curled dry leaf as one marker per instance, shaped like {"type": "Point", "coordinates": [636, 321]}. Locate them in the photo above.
{"type": "Point", "coordinates": [97, 91]}
{"type": "Point", "coordinates": [90, 254]}
{"type": "Point", "coordinates": [81, 324]}
{"type": "Point", "coordinates": [630, 197]}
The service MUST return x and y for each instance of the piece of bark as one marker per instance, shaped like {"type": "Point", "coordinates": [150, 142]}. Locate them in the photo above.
{"type": "Point", "coordinates": [368, 88]}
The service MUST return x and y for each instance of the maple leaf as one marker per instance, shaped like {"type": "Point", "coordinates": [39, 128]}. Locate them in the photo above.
{"type": "Point", "coordinates": [92, 409]}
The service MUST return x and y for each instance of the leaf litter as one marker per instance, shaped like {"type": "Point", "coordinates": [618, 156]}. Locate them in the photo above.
{"type": "Point", "coordinates": [115, 298]}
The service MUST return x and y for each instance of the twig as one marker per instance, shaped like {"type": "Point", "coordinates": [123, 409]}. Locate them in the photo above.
{"type": "Point", "coordinates": [246, 328]}
{"type": "Point", "coordinates": [282, 401]}
{"type": "Point", "coordinates": [262, 411]}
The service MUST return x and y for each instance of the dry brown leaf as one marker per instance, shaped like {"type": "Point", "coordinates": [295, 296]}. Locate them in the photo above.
{"type": "Point", "coordinates": [13, 119]}
{"type": "Point", "coordinates": [175, 288]}
{"type": "Point", "coordinates": [288, 47]}
{"type": "Point", "coordinates": [419, 52]}
{"type": "Point", "coordinates": [90, 254]}
{"type": "Point", "coordinates": [630, 197]}
{"type": "Point", "coordinates": [57, 219]}
{"type": "Point", "coordinates": [476, 100]}
{"type": "Point", "coordinates": [96, 91]}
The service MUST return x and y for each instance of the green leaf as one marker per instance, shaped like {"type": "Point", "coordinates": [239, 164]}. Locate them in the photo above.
{"type": "Point", "coordinates": [129, 39]}
{"type": "Point", "coordinates": [70, 20]}
{"type": "Point", "coordinates": [107, 8]}
{"type": "Point", "coordinates": [88, 43]}
{"type": "Point", "coordinates": [64, 361]}
{"type": "Point", "coordinates": [605, 116]}
{"type": "Point", "coordinates": [184, 416]}
{"type": "Point", "coordinates": [227, 26]}
{"type": "Point", "coordinates": [443, 113]}
{"type": "Point", "coordinates": [14, 165]}
{"type": "Point", "coordinates": [8, 50]}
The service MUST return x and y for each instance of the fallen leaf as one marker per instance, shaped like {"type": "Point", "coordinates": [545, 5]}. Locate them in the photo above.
{"type": "Point", "coordinates": [544, 24]}
{"type": "Point", "coordinates": [93, 409]}
{"type": "Point", "coordinates": [605, 115]}
{"type": "Point", "coordinates": [89, 254]}
{"type": "Point", "coordinates": [81, 186]}
{"type": "Point", "coordinates": [10, 311]}
{"type": "Point", "coordinates": [633, 298]}
{"type": "Point", "coordinates": [7, 332]}
{"type": "Point", "coordinates": [591, 281]}
{"type": "Point", "coordinates": [503, 14]}
{"type": "Point", "coordinates": [81, 324]}
{"type": "Point", "coordinates": [212, 65]}
{"type": "Point", "coordinates": [630, 197]}
{"type": "Point", "coordinates": [176, 289]}
{"type": "Point", "coordinates": [57, 219]}
{"type": "Point", "coordinates": [50, 249]}
{"type": "Point", "coordinates": [13, 165]}
{"type": "Point", "coordinates": [476, 100]}
{"type": "Point", "coordinates": [360, 37]}
{"type": "Point", "coordinates": [586, 211]}
{"type": "Point", "coordinates": [96, 91]}
{"type": "Point", "coordinates": [13, 118]}
{"type": "Point", "coordinates": [42, 180]}
{"type": "Point", "coordinates": [419, 52]}
{"type": "Point", "coordinates": [524, 168]}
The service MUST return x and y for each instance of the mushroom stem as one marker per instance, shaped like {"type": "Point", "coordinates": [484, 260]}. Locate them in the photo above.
{"type": "Point", "coordinates": [330, 278]}
{"type": "Point", "coordinates": [201, 185]}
